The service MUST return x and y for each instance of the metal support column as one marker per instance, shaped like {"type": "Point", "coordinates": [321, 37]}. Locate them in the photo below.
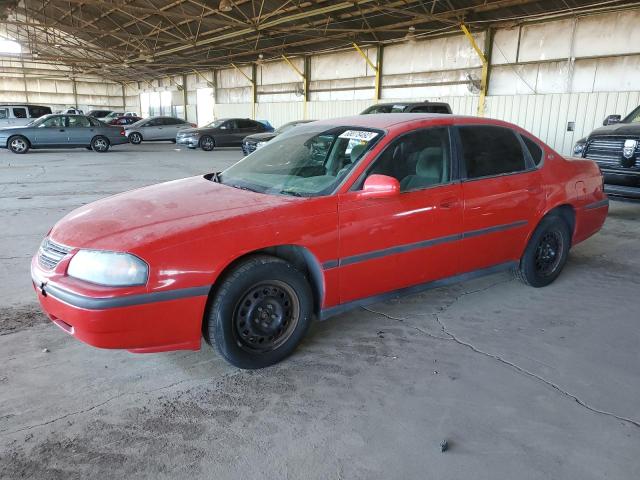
{"type": "Point", "coordinates": [252, 81]}
{"type": "Point", "coordinates": [485, 68]}
{"type": "Point", "coordinates": [305, 82]}
{"type": "Point", "coordinates": [376, 94]}
{"type": "Point", "coordinates": [185, 97]}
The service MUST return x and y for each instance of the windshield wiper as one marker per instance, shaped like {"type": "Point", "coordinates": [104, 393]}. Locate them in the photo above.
{"type": "Point", "coordinates": [292, 193]}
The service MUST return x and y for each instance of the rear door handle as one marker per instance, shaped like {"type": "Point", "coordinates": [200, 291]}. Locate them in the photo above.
{"type": "Point", "coordinates": [449, 202]}
{"type": "Point", "coordinates": [62, 130]}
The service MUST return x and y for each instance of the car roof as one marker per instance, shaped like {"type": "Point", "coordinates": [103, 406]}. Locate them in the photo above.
{"type": "Point", "coordinates": [408, 104]}
{"type": "Point", "coordinates": [386, 120]}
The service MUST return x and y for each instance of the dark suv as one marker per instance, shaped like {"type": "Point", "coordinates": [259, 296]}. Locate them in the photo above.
{"type": "Point", "coordinates": [616, 148]}
{"type": "Point", "coordinates": [409, 107]}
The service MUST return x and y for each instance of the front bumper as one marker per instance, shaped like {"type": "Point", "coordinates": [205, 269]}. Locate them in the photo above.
{"type": "Point", "coordinates": [191, 142]}
{"type": "Point", "coordinates": [621, 183]}
{"type": "Point", "coordinates": [141, 323]}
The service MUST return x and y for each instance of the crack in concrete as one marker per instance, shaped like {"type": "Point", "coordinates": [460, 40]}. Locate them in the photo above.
{"type": "Point", "coordinates": [115, 397]}
{"type": "Point", "coordinates": [451, 337]}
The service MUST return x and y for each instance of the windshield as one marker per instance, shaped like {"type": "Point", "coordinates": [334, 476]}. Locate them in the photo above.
{"type": "Point", "coordinates": [215, 124]}
{"type": "Point", "coordinates": [633, 117]}
{"type": "Point", "coordinates": [308, 161]}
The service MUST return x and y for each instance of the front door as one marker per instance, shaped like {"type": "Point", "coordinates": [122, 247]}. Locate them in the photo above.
{"type": "Point", "coordinates": [51, 132]}
{"type": "Point", "coordinates": [502, 195]}
{"type": "Point", "coordinates": [412, 238]}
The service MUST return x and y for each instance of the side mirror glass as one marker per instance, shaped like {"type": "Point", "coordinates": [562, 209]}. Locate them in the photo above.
{"type": "Point", "coordinates": [379, 186]}
{"type": "Point", "coordinates": [611, 119]}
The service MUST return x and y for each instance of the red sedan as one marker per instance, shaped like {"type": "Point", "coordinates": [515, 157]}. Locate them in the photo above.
{"type": "Point", "coordinates": [331, 215]}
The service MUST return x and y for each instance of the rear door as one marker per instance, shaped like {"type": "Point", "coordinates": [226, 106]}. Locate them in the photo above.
{"type": "Point", "coordinates": [79, 130]}
{"type": "Point", "coordinates": [4, 117]}
{"type": "Point", "coordinates": [502, 194]}
{"type": "Point", "coordinates": [152, 130]}
{"type": "Point", "coordinates": [246, 127]}
{"type": "Point", "coordinates": [411, 238]}
{"type": "Point", "coordinates": [20, 116]}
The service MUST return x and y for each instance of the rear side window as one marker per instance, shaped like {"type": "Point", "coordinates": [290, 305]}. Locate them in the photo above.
{"type": "Point", "coordinates": [430, 109]}
{"type": "Point", "coordinates": [489, 151]}
{"type": "Point", "coordinates": [36, 111]}
{"type": "Point", "coordinates": [4, 113]}
{"type": "Point", "coordinates": [94, 122]}
{"type": "Point", "coordinates": [20, 112]}
{"type": "Point", "coordinates": [78, 121]}
{"type": "Point", "coordinates": [245, 124]}
{"type": "Point", "coordinates": [534, 149]}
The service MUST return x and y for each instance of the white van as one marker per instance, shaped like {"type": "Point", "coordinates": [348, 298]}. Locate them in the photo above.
{"type": "Point", "coordinates": [16, 115]}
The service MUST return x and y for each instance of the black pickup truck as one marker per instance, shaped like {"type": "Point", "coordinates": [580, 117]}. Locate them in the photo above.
{"type": "Point", "coordinates": [616, 149]}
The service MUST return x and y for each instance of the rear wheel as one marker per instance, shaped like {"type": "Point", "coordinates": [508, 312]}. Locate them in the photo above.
{"type": "Point", "coordinates": [100, 144]}
{"type": "Point", "coordinates": [207, 143]}
{"type": "Point", "coordinates": [18, 144]}
{"type": "Point", "coordinates": [546, 252]}
{"type": "Point", "coordinates": [260, 313]}
{"type": "Point", "coordinates": [135, 138]}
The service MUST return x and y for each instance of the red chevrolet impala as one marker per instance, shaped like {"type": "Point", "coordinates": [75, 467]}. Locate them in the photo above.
{"type": "Point", "coordinates": [330, 215]}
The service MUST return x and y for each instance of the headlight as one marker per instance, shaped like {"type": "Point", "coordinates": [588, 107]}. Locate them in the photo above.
{"type": "Point", "coordinates": [194, 134]}
{"type": "Point", "coordinates": [114, 269]}
{"type": "Point", "coordinates": [260, 144]}
{"type": "Point", "coordinates": [578, 148]}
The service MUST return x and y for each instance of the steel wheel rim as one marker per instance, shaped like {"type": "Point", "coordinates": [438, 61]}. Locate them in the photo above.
{"type": "Point", "coordinates": [100, 144]}
{"type": "Point", "coordinates": [18, 145]}
{"type": "Point", "coordinates": [549, 253]}
{"type": "Point", "coordinates": [266, 316]}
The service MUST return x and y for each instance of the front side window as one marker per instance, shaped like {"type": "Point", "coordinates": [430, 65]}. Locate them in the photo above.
{"type": "Point", "coordinates": [307, 161]}
{"type": "Point", "coordinates": [52, 122]}
{"type": "Point", "coordinates": [77, 122]}
{"type": "Point", "coordinates": [489, 151]}
{"type": "Point", "coordinates": [20, 112]}
{"type": "Point", "coordinates": [633, 117]}
{"type": "Point", "coordinates": [418, 160]}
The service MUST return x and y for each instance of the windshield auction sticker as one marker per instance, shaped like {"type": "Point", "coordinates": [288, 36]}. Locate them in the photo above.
{"type": "Point", "coordinates": [359, 135]}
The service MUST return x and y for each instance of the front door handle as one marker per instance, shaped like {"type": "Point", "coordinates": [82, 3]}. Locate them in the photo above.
{"type": "Point", "coordinates": [451, 202]}
{"type": "Point", "coordinates": [62, 129]}
{"type": "Point", "coordinates": [535, 189]}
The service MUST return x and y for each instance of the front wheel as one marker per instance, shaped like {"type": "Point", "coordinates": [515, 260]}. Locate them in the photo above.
{"type": "Point", "coordinates": [206, 143]}
{"type": "Point", "coordinates": [546, 252]}
{"type": "Point", "coordinates": [260, 313]}
{"type": "Point", "coordinates": [135, 138]}
{"type": "Point", "coordinates": [100, 144]}
{"type": "Point", "coordinates": [18, 144]}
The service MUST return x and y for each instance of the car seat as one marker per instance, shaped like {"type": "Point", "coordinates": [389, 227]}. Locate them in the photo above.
{"type": "Point", "coordinates": [429, 170]}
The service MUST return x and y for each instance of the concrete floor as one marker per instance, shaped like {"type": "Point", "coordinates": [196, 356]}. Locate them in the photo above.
{"type": "Point", "coordinates": [524, 383]}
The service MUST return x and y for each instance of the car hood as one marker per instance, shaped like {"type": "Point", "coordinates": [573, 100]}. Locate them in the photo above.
{"type": "Point", "coordinates": [261, 137]}
{"type": "Point", "coordinates": [618, 129]}
{"type": "Point", "coordinates": [10, 129]}
{"type": "Point", "coordinates": [158, 214]}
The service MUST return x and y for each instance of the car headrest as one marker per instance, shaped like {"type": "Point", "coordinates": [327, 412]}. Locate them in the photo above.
{"type": "Point", "coordinates": [356, 152]}
{"type": "Point", "coordinates": [430, 162]}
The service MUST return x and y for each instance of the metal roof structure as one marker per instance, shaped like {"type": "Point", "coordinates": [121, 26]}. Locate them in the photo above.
{"type": "Point", "coordinates": [126, 40]}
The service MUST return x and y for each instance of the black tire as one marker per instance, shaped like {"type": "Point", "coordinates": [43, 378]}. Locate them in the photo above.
{"type": "Point", "coordinates": [173, 140]}
{"type": "Point", "coordinates": [546, 252]}
{"type": "Point", "coordinates": [89, 148]}
{"type": "Point", "coordinates": [135, 138]}
{"type": "Point", "coordinates": [207, 143]}
{"type": "Point", "coordinates": [100, 144]}
{"type": "Point", "coordinates": [261, 311]}
{"type": "Point", "coordinates": [18, 144]}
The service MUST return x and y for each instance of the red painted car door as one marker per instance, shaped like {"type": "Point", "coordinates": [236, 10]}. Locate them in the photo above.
{"type": "Point", "coordinates": [502, 195]}
{"type": "Point", "coordinates": [396, 242]}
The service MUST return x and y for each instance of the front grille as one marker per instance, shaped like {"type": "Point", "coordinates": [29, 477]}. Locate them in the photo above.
{"type": "Point", "coordinates": [50, 254]}
{"type": "Point", "coordinates": [607, 151]}
{"type": "Point", "coordinates": [248, 147]}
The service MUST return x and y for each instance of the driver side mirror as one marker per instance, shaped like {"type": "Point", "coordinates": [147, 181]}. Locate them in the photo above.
{"type": "Point", "coordinates": [611, 119]}
{"type": "Point", "coordinates": [379, 186]}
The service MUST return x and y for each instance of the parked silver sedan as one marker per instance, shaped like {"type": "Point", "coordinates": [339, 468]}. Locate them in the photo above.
{"type": "Point", "coordinates": [155, 128]}
{"type": "Point", "coordinates": [62, 131]}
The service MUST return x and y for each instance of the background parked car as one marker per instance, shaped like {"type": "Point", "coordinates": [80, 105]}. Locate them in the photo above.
{"type": "Point", "coordinates": [156, 128]}
{"type": "Point", "coordinates": [111, 116]}
{"type": "Point", "coordinates": [225, 132]}
{"type": "Point", "coordinates": [257, 140]}
{"type": "Point", "coordinates": [121, 120]}
{"type": "Point", "coordinates": [99, 113]}
{"type": "Point", "coordinates": [71, 111]}
{"type": "Point", "coordinates": [21, 114]}
{"type": "Point", "coordinates": [403, 107]}
{"type": "Point", "coordinates": [131, 114]}
{"type": "Point", "coordinates": [616, 149]}
{"type": "Point", "coordinates": [62, 131]}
